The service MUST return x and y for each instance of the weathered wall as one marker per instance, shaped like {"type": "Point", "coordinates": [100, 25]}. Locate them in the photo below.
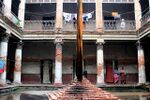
{"type": "Point", "coordinates": [69, 52]}
{"type": "Point", "coordinates": [125, 54]}
{"type": "Point", "coordinates": [33, 53]}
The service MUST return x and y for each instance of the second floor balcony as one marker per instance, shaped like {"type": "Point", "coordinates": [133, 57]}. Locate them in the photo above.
{"type": "Point", "coordinates": [89, 26]}
{"type": "Point", "coordinates": [11, 16]}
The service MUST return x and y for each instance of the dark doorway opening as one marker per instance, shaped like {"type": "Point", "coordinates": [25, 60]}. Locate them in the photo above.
{"type": "Point", "coordinates": [47, 71]}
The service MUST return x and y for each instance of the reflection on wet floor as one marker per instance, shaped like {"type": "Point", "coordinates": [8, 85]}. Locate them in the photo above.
{"type": "Point", "coordinates": [38, 95]}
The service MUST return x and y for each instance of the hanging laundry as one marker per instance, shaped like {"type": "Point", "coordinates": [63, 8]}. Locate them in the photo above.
{"type": "Point", "coordinates": [69, 16]}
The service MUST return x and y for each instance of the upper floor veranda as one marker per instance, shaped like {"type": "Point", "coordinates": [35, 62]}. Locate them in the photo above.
{"type": "Point", "coordinates": [107, 17]}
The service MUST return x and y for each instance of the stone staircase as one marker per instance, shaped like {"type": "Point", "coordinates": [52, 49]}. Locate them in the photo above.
{"type": "Point", "coordinates": [81, 91]}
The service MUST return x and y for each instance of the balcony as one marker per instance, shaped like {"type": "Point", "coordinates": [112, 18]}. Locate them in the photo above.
{"type": "Point", "coordinates": [2, 6]}
{"type": "Point", "coordinates": [118, 26]}
{"type": "Point", "coordinates": [87, 26]}
{"type": "Point", "coordinates": [11, 16]}
{"type": "Point", "coordinates": [39, 25]}
{"type": "Point", "coordinates": [49, 25]}
{"type": "Point", "coordinates": [145, 19]}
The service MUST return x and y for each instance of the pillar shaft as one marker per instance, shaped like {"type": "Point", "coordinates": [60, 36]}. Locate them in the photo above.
{"type": "Point", "coordinates": [149, 5]}
{"type": "Point", "coordinates": [58, 63]}
{"type": "Point", "coordinates": [18, 63]}
{"type": "Point", "coordinates": [99, 16]}
{"type": "Point", "coordinates": [141, 65]}
{"type": "Point", "coordinates": [21, 12]}
{"type": "Point", "coordinates": [100, 63]}
{"type": "Point", "coordinates": [3, 57]}
{"type": "Point", "coordinates": [59, 15]}
{"type": "Point", "coordinates": [7, 8]}
{"type": "Point", "coordinates": [138, 13]}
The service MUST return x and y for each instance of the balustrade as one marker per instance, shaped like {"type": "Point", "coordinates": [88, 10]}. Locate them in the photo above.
{"type": "Point", "coordinates": [146, 18]}
{"type": "Point", "coordinates": [39, 25]}
{"type": "Point", "coordinates": [117, 25]}
{"type": "Point", "coordinates": [1, 8]}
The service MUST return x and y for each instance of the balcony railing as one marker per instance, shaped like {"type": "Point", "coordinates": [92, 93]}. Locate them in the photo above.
{"type": "Point", "coordinates": [1, 8]}
{"type": "Point", "coordinates": [11, 16]}
{"type": "Point", "coordinates": [117, 25]}
{"type": "Point", "coordinates": [48, 25]}
{"type": "Point", "coordinates": [146, 18]}
{"type": "Point", "coordinates": [39, 25]}
{"type": "Point", "coordinates": [87, 26]}
{"type": "Point", "coordinates": [14, 19]}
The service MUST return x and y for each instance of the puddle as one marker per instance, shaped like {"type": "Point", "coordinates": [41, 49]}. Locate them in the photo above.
{"type": "Point", "coordinates": [40, 95]}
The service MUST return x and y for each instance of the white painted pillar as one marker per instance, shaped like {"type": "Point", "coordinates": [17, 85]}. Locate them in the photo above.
{"type": "Point", "coordinates": [18, 63]}
{"type": "Point", "coordinates": [21, 12]}
{"type": "Point", "coordinates": [58, 61]}
{"type": "Point", "coordinates": [141, 64]}
{"type": "Point", "coordinates": [3, 56]}
{"type": "Point", "coordinates": [138, 13]}
{"type": "Point", "coordinates": [7, 8]}
{"type": "Point", "coordinates": [100, 62]}
{"type": "Point", "coordinates": [59, 15]}
{"type": "Point", "coordinates": [149, 5]}
{"type": "Point", "coordinates": [99, 16]}
{"type": "Point", "coordinates": [16, 96]}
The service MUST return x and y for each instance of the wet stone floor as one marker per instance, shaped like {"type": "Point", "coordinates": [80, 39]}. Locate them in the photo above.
{"type": "Point", "coordinates": [77, 91]}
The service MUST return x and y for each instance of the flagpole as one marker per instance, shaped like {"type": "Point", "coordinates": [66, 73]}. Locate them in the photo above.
{"type": "Point", "coordinates": [79, 64]}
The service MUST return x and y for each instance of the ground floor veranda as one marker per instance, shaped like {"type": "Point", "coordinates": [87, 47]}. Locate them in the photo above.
{"type": "Point", "coordinates": [49, 61]}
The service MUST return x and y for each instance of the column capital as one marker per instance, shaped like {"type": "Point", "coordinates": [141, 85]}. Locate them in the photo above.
{"type": "Point", "coordinates": [19, 44]}
{"type": "Point", "coordinates": [5, 37]}
{"type": "Point", "coordinates": [100, 41]}
{"type": "Point", "coordinates": [58, 30]}
{"type": "Point", "coordinates": [139, 44]}
{"type": "Point", "coordinates": [58, 40]}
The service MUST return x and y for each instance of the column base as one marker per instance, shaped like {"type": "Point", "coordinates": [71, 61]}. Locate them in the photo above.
{"type": "Point", "coordinates": [58, 84]}
{"type": "Point", "coordinates": [140, 84]}
{"type": "Point", "coordinates": [16, 83]}
{"type": "Point", "coordinates": [3, 84]}
{"type": "Point", "coordinates": [100, 84]}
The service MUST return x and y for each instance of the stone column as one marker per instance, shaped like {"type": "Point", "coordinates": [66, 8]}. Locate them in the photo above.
{"type": "Point", "coordinates": [7, 8]}
{"type": "Point", "coordinates": [18, 63]}
{"type": "Point", "coordinates": [3, 57]}
{"type": "Point", "coordinates": [21, 12]}
{"type": "Point", "coordinates": [149, 5]}
{"type": "Point", "coordinates": [100, 62]}
{"type": "Point", "coordinates": [59, 15]}
{"type": "Point", "coordinates": [141, 64]}
{"type": "Point", "coordinates": [138, 13]}
{"type": "Point", "coordinates": [58, 61]}
{"type": "Point", "coordinates": [99, 16]}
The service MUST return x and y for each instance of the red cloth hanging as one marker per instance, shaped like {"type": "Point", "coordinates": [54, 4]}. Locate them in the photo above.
{"type": "Point", "coordinates": [109, 74]}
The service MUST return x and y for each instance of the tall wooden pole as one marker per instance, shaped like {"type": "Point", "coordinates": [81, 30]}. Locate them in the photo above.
{"type": "Point", "coordinates": [79, 65]}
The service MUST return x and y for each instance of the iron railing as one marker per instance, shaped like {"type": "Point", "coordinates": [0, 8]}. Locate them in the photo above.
{"type": "Point", "coordinates": [39, 25]}
{"type": "Point", "coordinates": [145, 19]}
{"type": "Point", "coordinates": [117, 25]}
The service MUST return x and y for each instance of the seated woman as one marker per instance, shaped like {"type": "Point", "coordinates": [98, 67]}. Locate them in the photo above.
{"type": "Point", "coordinates": [116, 78]}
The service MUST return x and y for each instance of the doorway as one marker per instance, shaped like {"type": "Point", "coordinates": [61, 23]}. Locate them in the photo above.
{"type": "Point", "coordinates": [47, 71]}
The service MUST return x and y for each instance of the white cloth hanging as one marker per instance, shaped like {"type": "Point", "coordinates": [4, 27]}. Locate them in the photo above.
{"type": "Point", "coordinates": [69, 16]}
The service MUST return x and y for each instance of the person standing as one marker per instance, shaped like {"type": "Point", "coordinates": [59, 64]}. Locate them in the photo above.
{"type": "Point", "coordinates": [123, 76]}
{"type": "Point", "coordinates": [122, 24]}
